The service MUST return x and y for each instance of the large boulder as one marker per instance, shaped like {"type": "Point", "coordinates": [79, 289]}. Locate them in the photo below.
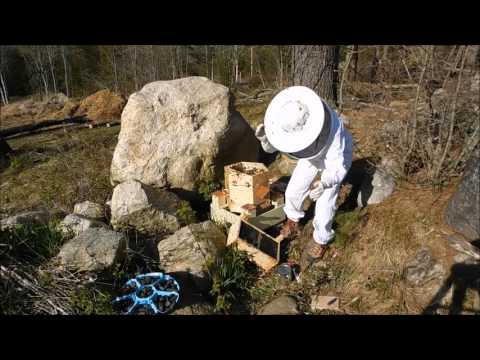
{"type": "Point", "coordinates": [189, 249]}
{"type": "Point", "coordinates": [95, 249]}
{"type": "Point", "coordinates": [38, 217]}
{"type": "Point", "coordinates": [174, 133]}
{"type": "Point", "coordinates": [463, 210]}
{"type": "Point", "coordinates": [75, 224]}
{"type": "Point", "coordinates": [89, 210]}
{"type": "Point", "coordinates": [150, 211]}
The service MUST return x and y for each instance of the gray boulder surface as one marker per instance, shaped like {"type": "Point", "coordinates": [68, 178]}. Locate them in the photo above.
{"type": "Point", "coordinates": [148, 210]}
{"type": "Point", "coordinates": [76, 224]}
{"type": "Point", "coordinates": [174, 133]}
{"type": "Point", "coordinates": [89, 210]}
{"type": "Point", "coordinates": [94, 249]}
{"type": "Point", "coordinates": [189, 249]}
{"type": "Point", "coordinates": [463, 209]}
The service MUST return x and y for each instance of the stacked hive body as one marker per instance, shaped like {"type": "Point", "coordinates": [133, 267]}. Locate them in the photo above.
{"type": "Point", "coordinates": [247, 187]}
{"type": "Point", "coordinates": [252, 209]}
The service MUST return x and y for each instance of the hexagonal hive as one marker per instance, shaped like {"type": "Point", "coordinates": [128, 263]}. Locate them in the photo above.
{"type": "Point", "coordinates": [247, 184]}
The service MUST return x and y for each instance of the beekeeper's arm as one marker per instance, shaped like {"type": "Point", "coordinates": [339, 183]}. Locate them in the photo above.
{"type": "Point", "coordinates": [262, 137]}
{"type": "Point", "coordinates": [336, 167]}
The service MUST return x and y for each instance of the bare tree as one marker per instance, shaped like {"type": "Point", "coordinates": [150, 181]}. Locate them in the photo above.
{"type": "Point", "coordinates": [3, 68]}
{"type": "Point", "coordinates": [65, 69]}
{"type": "Point", "coordinates": [51, 53]}
{"type": "Point", "coordinates": [316, 66]}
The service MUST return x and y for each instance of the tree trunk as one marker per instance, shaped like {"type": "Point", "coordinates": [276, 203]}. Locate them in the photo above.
{"type": "Point", "coordinates": [115, 74]}
{"type": "Point", "coordinates": [153, 69]}
{"type": "Point", "coordinates": [355, 62]}
{"type": "Point", "coordinates": [374, 66]}
{"type": "Point", "coordinates": [50, 54]}
{"type": "Point", "coordinates": [316, 67]}
{"type": "Point", "coordinates": [206, 62]}
{"type": "Point", "coordinates": [65, 70]}
{"type": "Point", "coordinates": [135, 73]}
{"type": "Point", "coordinates": [3, 90]}
{"type": "Point", "coordinates": [236, 63]}
{"type": "Point", "coordinates": [251, 63]}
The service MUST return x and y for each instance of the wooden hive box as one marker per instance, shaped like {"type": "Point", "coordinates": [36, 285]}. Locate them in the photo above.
{"type": "Point", "coordinates": [250, 235]}
{"type": "Point", "coordinates": [247, 183]}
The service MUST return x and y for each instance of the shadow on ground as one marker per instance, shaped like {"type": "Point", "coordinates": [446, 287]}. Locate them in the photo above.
{"type": "Point", "coordinates": [463, 276]}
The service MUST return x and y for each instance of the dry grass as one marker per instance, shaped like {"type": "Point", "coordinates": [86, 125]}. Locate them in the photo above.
{"type": "Point", "coordinates": [57, 169]}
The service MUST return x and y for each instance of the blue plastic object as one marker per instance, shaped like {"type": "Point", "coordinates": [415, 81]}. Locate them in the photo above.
{"type": "Point", "coordinates": [157, 293]}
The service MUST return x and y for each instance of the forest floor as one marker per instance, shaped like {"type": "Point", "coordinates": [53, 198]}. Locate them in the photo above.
{"type": "Point", "coordinates": [364, 269]}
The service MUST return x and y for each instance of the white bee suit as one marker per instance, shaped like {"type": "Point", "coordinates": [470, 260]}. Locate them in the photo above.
{"type": "Point", "coordinates": [333, 162]}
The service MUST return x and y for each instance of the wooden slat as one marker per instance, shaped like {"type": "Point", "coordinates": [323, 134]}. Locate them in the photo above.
{"type": "Point", "coordinates": [261, 259]}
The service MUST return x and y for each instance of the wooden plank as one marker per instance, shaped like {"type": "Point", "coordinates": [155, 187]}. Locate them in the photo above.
{"type": "Point", "coordinates": [263, 260]}
{"type": "Point", "coordinates": [234, 232]}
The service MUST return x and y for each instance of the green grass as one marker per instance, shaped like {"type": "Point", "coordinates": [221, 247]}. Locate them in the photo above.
{"type": "Point", "coordinates": [92, 301]}
{"type": "Point", "coordinates": [207, 186]}
{"type": "Point", "coordinates": [58, 169]}
{"type": "Point", "coordinates": [344, 225]}
{"type": "Point", "coordinates": [233, 274]}
{"type": "Point", "coordinates": [32, 243]}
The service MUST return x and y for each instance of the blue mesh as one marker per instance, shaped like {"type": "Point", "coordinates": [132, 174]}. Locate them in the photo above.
{"type": "Point", "coordinates": [156, 293]}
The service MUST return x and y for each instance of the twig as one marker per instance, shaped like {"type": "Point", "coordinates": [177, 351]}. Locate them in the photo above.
{"type": "Point", "coordinates": [453, 115]}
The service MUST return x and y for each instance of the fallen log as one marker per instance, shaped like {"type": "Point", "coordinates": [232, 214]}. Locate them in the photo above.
{"type": "Point", "coordinates": [42, 124]}
{"type": "Point", "coordinates": [4, 147]}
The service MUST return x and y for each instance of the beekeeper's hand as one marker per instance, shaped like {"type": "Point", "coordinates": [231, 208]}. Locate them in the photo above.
{"type": "Point", "coordinates": [316, 191]}
{"type": "Point", "coordinates": [262, 137]}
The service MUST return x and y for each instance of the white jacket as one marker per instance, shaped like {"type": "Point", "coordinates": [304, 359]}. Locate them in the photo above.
{"type": "Point", "coordinates": [336, 157]}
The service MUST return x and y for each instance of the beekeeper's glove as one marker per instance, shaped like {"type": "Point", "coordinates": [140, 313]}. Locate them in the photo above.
{"type": "Point", "coordinates": [316, 191]}
{"type": "Point", "coordinates": [262, 137]}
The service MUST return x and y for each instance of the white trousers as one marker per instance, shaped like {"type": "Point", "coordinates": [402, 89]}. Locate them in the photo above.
{"type": "Point", "coordinates": [298, 189]}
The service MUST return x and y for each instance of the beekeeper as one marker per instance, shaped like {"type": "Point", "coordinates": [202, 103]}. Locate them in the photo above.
{"type": "Point", "coordinates": [301, 125]}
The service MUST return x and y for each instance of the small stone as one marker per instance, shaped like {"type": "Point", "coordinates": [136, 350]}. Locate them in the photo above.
{"type": "Point", "coordinates": [464, 247]}
{"type": "Point", "coordinates": [95, 249]}
{"type": "Point", "coordinates": [89, 210]}
{"type": "Point", "coordinates": [148, 210]}
{"type": "Point", "coordinates": [325, 303]}
{"type": "Point", "coordinates": [284, 305]}
{"type": "Point", "coordinates": [375, 189]}
{"type": "Point", "coordinates": [39, 217]}
{"type": "Point", "coordinates": [423, 268]}
{"type": "Point", "coordinates": [76, 224]}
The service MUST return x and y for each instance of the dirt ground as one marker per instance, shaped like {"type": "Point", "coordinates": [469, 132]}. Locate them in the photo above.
{"type": "Point", "coordinates": [364, 267]}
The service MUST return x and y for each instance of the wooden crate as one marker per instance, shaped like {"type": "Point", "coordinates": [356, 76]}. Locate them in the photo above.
{"type": "Point", "coordinates": [249, 236]}
{"type": "Point", "coordinates": [246, 183]}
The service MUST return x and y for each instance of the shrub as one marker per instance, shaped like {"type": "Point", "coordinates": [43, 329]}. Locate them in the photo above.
{"type": "Point", "coordinates": [186, 214]}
